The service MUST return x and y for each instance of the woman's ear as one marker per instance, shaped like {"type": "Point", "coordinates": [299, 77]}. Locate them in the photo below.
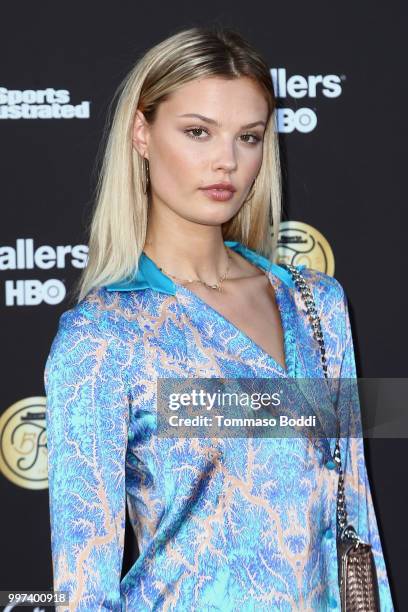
{"type": "Point", "coordinates": [140, 134]}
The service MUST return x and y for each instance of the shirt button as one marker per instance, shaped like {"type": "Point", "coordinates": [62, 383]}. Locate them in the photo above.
{"type": "Point", "coordinates": [332, 603]}
{"type": "Point", "coordinates": [330, 464]}
{"type": "Point", "coordinates": [328, 533]}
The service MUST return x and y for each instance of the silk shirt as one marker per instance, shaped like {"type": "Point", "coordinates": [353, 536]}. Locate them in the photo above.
{"type": "Point", "coordinates": [244, 524]}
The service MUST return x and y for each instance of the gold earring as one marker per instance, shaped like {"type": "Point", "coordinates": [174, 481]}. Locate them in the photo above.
{"type": "Point", "coordinates": [145, 175]}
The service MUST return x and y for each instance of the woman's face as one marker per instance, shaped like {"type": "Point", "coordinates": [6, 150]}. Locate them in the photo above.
{"type": "Point", "coordinates": [188, 153]}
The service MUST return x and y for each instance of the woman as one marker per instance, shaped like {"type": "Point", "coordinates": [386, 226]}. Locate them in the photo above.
{"type": "Point", "coordinates": [189, 186]}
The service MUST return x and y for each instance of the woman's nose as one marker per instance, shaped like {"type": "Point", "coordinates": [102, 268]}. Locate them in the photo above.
{"type": "Point", "coordinates": [225, 156]}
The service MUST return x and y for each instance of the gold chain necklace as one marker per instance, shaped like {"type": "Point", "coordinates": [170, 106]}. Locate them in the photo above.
{"type": "Point", "coordinates": [217, 285]}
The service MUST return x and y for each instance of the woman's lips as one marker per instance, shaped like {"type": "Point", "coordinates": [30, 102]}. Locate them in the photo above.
{"type": "Point", "coordinates": [220, 195]}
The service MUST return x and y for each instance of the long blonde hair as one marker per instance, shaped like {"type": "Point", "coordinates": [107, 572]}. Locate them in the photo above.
{"type": "Point", "coordinates": [118, 226]}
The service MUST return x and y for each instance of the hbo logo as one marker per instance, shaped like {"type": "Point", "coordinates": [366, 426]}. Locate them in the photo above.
{"type": "Point", "coordinates": [33, 292]}
{"type": "Point", "coordinates": [303, 120]}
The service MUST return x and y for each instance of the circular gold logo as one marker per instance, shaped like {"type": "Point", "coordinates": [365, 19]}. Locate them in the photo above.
{"type": "Point", "coordinates": [23, 443]}
{"type": "Point", "coordinates": [300, 243]}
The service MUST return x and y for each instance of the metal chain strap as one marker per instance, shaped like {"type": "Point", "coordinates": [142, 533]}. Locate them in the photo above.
{"type": "Point", "coordinates": [308, 299]}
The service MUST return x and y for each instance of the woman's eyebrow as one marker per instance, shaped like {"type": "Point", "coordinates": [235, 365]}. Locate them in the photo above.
{"type": "Point", "coordinates": [214, 122]}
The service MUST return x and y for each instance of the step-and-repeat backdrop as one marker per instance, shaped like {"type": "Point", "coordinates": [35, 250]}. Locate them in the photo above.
{"type": "Point", "coordinates": [339, 73]}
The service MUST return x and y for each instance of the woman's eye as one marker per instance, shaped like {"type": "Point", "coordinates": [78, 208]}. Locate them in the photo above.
{"type": "Point", "coordinates": [254, 136]}
{"type": "Point", "coordinates": [195, 130]}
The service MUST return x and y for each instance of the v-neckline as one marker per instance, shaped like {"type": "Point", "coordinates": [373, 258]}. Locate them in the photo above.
{"type": "Point", "coordinates": [275, 282]}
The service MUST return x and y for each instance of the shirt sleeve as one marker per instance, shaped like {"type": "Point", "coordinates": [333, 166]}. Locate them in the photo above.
{"type": "Point", "coordinates": [87, 416]}
{"type": "Point", "coordinates": [360, 509]}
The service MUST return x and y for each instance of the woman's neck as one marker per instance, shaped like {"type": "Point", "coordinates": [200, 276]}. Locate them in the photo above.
{"type": "Point", "coordinates": [187, 257]}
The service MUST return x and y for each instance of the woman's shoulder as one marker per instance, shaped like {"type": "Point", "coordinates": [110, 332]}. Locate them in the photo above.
{"type": "Point", "coordinates": [328, 293]}
{"type": "Point", "coordinates": [330, 299]}
{"type": "Point", "coordinates": [96, 330]}
{"type": "Point", "coordinates": [90, 311]}
{"type": "Point", "coordinates": [79, 325]}
{"type": "Point", "coordinates": [100, 309]}
{"type": "Point", "coordinates": [99, 317]}
{"type": "Point", "coordinates": [321, 282]}
{"type": "Point", "coordinates": [318, 281]}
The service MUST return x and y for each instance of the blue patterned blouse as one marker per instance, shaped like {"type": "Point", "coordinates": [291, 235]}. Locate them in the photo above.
{"type": "Point", "coordinates": [244, 524]}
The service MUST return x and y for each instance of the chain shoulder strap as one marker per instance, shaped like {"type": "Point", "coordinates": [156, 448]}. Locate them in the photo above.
{"type": "Point", "coordinates": [307, 296]}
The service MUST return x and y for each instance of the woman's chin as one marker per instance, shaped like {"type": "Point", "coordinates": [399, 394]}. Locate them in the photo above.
{"type": "Point", "coordinates": [212, 218]}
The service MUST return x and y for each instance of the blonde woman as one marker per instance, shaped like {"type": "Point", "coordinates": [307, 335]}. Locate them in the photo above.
{"type": "Point", "coordinates": [180, 284]}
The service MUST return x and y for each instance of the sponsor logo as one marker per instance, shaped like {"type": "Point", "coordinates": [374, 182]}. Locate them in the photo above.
{"type": "Point", "coordinates": [26, 256]}
{"type": "Point", "coordinates": [303, 120]}
{"type": "Point", "coordinates": [23, 443]}
{"type": "Point", "coordinates": [47, 103]}
{"type": "Point", "coordinates": [297, 87]}
{"type": "Point", "coordinates": [301, 243]}
{"type": "Point", "coordinates": [33, 292]}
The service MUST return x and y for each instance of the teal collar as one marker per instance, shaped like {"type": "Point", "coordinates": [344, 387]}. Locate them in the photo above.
{"type": "Point", "coordinates": [150, 277]}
